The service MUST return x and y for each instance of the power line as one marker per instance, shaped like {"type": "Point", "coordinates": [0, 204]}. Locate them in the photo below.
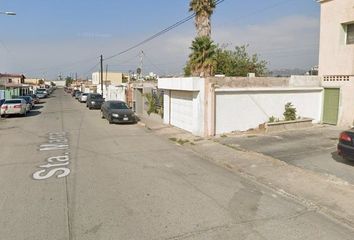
{"type": "Point", "coordinates": [177, 24]}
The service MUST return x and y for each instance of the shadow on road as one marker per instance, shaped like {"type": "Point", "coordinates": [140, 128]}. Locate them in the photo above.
{"type": "Point", "coordinates": [37, 107]}
{"type": "Point", "coordinates": [33, 113]}
{"type": "Point", "coordinates": [342, 160]}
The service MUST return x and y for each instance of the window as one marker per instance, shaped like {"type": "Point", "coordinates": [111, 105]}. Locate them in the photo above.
{"type": "Point", "coordinates": [350, 33]}
{"type": "Point", "coordinates": [10, 80]}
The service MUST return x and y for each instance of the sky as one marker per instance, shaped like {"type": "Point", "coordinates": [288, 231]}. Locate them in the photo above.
{"type": "Point", "coordinates": [48, 38]}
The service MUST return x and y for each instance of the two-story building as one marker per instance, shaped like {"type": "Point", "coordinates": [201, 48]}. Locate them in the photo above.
{"type": "Point", "coordinates": [336, 61]}
{"type": "Point", "coordinates": [12, 85]}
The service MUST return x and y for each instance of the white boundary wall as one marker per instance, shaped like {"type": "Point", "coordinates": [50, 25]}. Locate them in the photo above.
{"type": "Point", "coordinates": [244, 109]}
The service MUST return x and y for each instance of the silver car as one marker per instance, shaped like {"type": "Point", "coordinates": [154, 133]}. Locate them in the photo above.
{"type": "Point", "coordinates": [14, 107]}
{"type": "Point", "coordinates": [41, 93]}
{"type": "Point", "coordinates": [83, 97]}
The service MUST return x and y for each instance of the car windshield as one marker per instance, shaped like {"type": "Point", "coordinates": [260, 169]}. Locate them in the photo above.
{"type": "Point", "coordinates": [96, 96]}
{"type": "Point", "coordinates": [13, 101]}
{"type": "Point", "coordinates": [84, 94]}
{"type": "Point", "coordinates": [118, 105]}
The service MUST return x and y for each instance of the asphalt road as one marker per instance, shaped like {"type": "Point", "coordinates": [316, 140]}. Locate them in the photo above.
{"type": "Point", "coordinates": [126, 183]}
{"type": "Point", "coordinates": [314, 149]}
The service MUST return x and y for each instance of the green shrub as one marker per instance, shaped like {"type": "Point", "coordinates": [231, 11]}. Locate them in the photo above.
{"type": "Point", "coordinates": [290, 112]}
{"type": "Point", "coordinates": [271, 119]}
{"type": "Point", "coordinates": [151, 102]}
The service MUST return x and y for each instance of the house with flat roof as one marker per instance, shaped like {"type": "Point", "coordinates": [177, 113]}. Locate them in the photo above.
{"type": "Point", "coordinates": [12, 85]}
{"type": "Point", "coordinates": [336, 61]}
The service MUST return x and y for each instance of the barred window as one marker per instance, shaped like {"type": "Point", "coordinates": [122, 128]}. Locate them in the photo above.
{"type": "Point", "coordinates": [350, 34]}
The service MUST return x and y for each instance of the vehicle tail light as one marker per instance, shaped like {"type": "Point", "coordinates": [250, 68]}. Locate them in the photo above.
{"type": "Point", "coordinates": [345, 137]}
{"type": "Point", "coordinates": [4, 107]}
{"type": "Point", "coordinates": [17, 106]}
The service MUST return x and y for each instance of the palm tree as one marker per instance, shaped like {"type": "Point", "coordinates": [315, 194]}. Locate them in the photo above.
{"type": "Point", "coordinates": [203, 10]}
{"type": "Point", "coordinates": [202, 59]}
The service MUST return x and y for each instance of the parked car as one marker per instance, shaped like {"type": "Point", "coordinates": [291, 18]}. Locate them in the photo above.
{"type": "Point", "coordinates": [29, 101]}
{"type": "Point", "coordinates": [41, 93]}
{"type": "Point", "coordinates": [34, 97]}
{"type": "Point", "coordinates": [83, 97]}
{"type": "Point", "coordinates": [117, 112]}
{"type": "Point", "coordinates": [73, 93]}
{"type": "Point", "coordinates": [77, 95]}
{"type": "Point", "coordinates": [14, 107]}
{"type": "Point", "coordinates": [345, 145]}
{"type": "Point", "coordinates": [94, 101]}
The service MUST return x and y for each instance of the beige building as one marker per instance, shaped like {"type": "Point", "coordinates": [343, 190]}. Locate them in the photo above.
{"type": "Point", "coordinates": [337, 37]}
{"type": "Point", "coordinates": [109, 78]}
{"type": "Point", "coordinates": [336, 61]}
{"type": "Point", "coordinates": [34, 81]}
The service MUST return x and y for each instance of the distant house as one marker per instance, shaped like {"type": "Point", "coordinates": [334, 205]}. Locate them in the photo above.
{"type": "Point", "coordinates": [109, 78]}
{"type": "Point", "coordinates": [13, 85]}
{"type": "Point", "coordinates": [336, 61]}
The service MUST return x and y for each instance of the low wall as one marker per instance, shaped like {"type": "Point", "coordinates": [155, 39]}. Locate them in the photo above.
{"type": "Point", "coordinates": [244, 109]}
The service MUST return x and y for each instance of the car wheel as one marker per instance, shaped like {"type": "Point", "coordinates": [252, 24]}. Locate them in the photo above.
{"type": "Point", "coordinates": [110, 120]}
{"type": "Point", "coordinates": [90, 108]}
{"type": "Point", "coordinates": [24, 114]}
{"type": "Point", "coordinates": [102, 115]}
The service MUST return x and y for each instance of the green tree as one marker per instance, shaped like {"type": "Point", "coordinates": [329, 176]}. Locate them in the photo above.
{"type": "Point", "coordinates": [290, 112]}
{"type": "Point", "coordinates": [202, 59]}
{"type": "Point", "coordinates": [203, 10]}
{"type": "Point", "coordinates": [68, 81]}
{"type": "Point", "coordinates": [239, 62]}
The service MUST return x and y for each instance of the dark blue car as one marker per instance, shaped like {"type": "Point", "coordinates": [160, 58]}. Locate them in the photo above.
{"type": "Point", "coordinates": [345, 146]}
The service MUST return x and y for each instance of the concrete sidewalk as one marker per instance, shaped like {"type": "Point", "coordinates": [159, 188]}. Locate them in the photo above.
{"type": "Point", "coordinates": [325, 193]}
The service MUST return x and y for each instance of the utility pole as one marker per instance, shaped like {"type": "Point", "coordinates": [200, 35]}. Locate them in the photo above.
{"type": "Point", "coordinates": [101, 75]}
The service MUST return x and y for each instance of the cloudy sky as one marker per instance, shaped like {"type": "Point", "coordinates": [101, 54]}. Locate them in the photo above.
{"type": "Point", "coordinates": [48, 38]}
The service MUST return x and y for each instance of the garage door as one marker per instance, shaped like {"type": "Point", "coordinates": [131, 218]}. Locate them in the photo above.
{"type": "Point", "coordinates": [331, 106]}
{"type": "Point", "coordinates": [182, 110]}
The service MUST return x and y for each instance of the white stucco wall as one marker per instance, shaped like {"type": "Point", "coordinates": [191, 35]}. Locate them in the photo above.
{"type": "Point", "coordinates": [194, 86]}
{"type": "Point", "coordinates": [116, 93]}
{"type": "Point", "coordinates": [244, 109]}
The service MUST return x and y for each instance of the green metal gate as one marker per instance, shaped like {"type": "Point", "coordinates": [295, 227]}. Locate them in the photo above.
{"type": "Point", "coordinates": [331, 105]}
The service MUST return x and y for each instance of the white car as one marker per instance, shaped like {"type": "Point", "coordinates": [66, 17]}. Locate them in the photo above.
{"type": "Point", "coordinates": [83, 97]}
{"type": "Point", "coordinates": [41, 93]}
{"type": "Point", "coordinates": [14, 107]}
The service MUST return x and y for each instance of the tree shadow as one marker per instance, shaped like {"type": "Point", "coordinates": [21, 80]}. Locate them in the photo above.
{"type": "Point", "coordinates": [342, 160]}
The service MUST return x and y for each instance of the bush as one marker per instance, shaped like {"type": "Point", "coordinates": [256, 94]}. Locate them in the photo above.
{"type": "Point", "coordinates": [151, 103]}
{"type": "Point", "coordinates": [290, 112]}
{"type": "Point", "coordinates": [271, 119]}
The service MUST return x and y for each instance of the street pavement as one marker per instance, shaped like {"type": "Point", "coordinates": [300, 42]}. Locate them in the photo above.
{"type": "Point", "coordinates": [314, 149]}
{"type": "Point", "coordinates": [66, 174]}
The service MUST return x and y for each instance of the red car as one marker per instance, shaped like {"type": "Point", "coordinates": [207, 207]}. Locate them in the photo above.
{"type": "Point", "coordinates": [345, 145]}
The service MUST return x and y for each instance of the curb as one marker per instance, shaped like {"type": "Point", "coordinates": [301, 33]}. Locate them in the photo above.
{"type": "Point", "coordinates": [306, 187]}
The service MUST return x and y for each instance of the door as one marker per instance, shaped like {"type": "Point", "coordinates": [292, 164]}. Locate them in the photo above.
{"type": "Point", "coordinates": [331, 105]}
{"type": "Point", "coordinates": [182, 110]}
